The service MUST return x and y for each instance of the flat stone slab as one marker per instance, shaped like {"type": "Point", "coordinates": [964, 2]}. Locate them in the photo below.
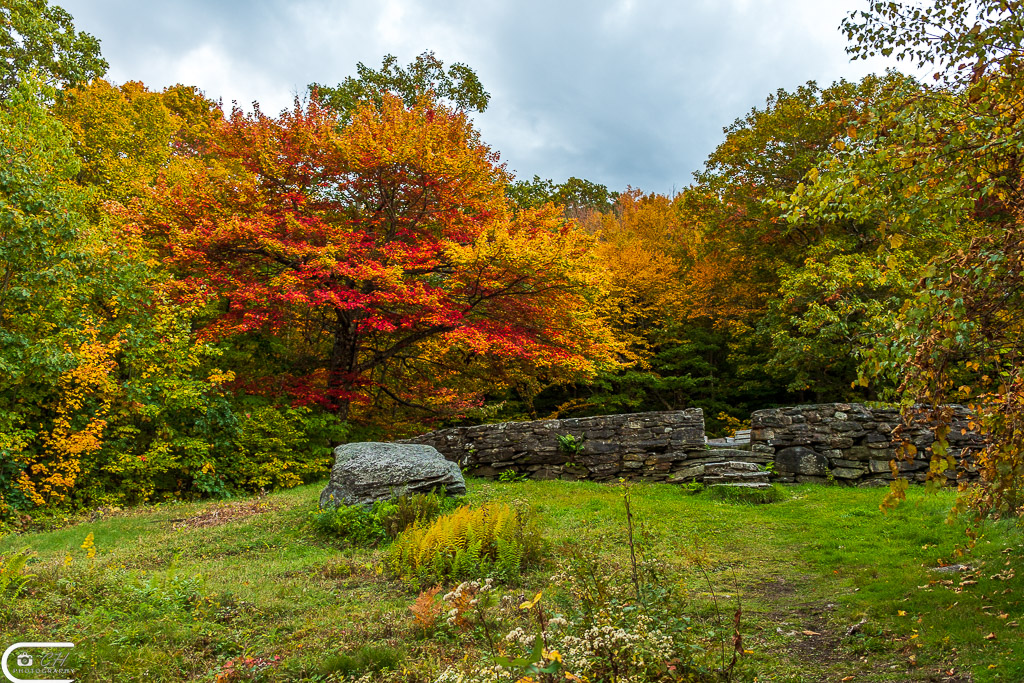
{"type": "Point", "coordinates": [721, 467]}
{"type": "Point", "coordinates": [736, 476]}
{"type": "Point", "coordinates": [366, 472]}
{"type": "Point", "coordinates": [746, 485]}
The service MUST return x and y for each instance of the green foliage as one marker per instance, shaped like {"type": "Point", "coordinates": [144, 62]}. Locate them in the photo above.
{"type": "Point", "coordinates": [936, 168]}
{"type": "Point", "coordinates": [491, 540]}
{"type": "Point", "coordinates": [426, 76]}
{"type": "Point", "coordinates": [511, 476]}
{"type": "Point", "coordinates": [355, 524]}
{"type": "Point", "coordinates": [280, 447]}
{"type": "Point", "coordinates": [577, 195]}
{"type": "Point", "coordinates": [368, 525]}
{"type": "Point", "coordinates": [367, 659]}
{"type": "Point", "coordinates": [691, 488]}
{"type": "Point", "coordinates": [748, 496]}
{"type": "Point", "coordinates": [569, 444]}
{"type": "Point", "coordinates": [36, 37]}
{"type": "Point", "coordinates": [12, 576]}
{"type": "Point", "coordinates": [830, 310]}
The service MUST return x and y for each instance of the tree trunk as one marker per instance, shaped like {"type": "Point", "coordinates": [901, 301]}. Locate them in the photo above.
{"type": "Point", "coordinates": [341, 379]}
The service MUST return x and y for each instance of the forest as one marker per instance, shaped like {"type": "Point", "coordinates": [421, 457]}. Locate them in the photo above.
{"type": "Point", "coordinates": [199, 302]}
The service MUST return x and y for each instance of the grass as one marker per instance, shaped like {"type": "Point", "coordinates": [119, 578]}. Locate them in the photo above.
{"type": "Point", "coordinates": [245, 591]}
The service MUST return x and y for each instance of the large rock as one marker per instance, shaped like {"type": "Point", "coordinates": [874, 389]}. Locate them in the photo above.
{"type": "Point", "coordinates": [366, 472]}
{"type": "Point", "coordinates": [800, 460]}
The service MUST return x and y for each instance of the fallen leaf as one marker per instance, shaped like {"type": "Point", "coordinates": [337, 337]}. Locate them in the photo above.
{"type": "Point", "coordinates": [990, 636]}
{"type": "Point", "coordinates": [810, 633]}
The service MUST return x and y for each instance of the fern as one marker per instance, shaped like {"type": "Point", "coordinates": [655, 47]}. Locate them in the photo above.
{"type": "Point", "coordinates": [468, 543]}
{"type": "Point", "coordinates": [12, 579]}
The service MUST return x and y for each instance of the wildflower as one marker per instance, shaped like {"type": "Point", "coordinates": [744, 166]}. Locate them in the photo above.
{"type": "Point", "coordinates": [89, 546]}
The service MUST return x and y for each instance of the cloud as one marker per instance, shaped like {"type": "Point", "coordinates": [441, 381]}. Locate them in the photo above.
{"type": "Point", "coordinates": [622, 92]}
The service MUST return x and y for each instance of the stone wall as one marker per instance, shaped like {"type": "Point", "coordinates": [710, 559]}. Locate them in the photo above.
{"type": "Point", "coordinates": [649, 446]}
{"type": "Point", "coordinates": [850, 442]}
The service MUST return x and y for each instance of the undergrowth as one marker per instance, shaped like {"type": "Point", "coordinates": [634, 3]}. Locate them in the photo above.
{"type": "Point", "coordinates": [491, 540]}
{"type": "Point", "coordinates": [369, 525]}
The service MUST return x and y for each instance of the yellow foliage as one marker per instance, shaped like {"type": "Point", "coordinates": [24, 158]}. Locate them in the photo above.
{"type": "Point", "coordinates": [490, 540]}
{"type": "Point", "coordinates": [86, 392]}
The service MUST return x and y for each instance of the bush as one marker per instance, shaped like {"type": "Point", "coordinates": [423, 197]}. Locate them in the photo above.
{"type": "Point", "coordinates": [365, 525]}
{"type": "Point", "coordinates": [279, 447]}
{"type": "Point", "coordinates": [493, 540]}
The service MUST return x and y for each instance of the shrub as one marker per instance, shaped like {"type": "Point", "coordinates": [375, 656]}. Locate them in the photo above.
{"type": "Point", "coordinates": [280, 447]}
{"type": "Point", "coordinates": [493, 540]}
{"type": "Point", "coordinates": [363, 525]}
{"type": "Point", "coordinates": [355, 524]}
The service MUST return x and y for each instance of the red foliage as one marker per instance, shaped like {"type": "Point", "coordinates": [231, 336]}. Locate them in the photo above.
{"type": "Point", "coordinates": [384, 244]}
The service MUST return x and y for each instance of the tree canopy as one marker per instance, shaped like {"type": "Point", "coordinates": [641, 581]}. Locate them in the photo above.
{"type": "Point", "coordinates": [41, 38]}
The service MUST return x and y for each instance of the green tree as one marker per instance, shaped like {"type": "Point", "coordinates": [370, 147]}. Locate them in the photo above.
{"type": "Point", "coordinates": [943, 163]}
{"type": "Point", "coordinates": [577, 195]}
{"type": "Point", "coordinates": [458, 86]}
{"type": "Point", "coordinates": [105, 393]}
{"type": "Point", "coordinates": [35, 36]}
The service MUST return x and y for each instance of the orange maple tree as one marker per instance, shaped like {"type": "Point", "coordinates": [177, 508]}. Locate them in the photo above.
{"type": "Point", "coordinates": [384, 250]}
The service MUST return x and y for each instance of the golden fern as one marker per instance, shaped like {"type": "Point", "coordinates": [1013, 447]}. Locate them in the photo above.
{"type": "Point", "coordinates": [494, 539]}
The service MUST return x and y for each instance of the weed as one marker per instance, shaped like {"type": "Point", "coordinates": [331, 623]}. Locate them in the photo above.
{"type": "Point", "coordinates": [570, 445]}
{"type": "Point", "coordinates": [367, 659]}
{"type": "Point", "coordinates": [510, 476]}
{"type": "Point", "coordinates": [355, 524]}
{"type": "Point", "coordinates": [13, 579]}
{"type": "Point", "coordinates": [426, 609]}
{"type": "Point", "coordinates": [692, 488]}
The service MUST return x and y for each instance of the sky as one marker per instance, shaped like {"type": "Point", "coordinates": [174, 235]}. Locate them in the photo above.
{"type": "Point", "coordinates": [620, 92]}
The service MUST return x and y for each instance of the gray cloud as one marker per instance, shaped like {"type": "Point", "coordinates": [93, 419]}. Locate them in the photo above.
{"type": "Point", "coordinates": [622, 92]}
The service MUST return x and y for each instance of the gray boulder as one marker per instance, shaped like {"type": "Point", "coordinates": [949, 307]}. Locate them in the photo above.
{"type": "Point", "coordinates": [800, 460]}
{"type": "Point", "coordinates": [364, 473]}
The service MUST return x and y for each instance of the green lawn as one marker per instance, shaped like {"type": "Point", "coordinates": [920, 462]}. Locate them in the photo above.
{"type": "Point", "coordinates": [830, 588]}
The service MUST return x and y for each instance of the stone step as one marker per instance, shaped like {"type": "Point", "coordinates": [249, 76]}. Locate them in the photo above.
{"type": "Point", "coordinates": [737, 466]}
{"type": "Point", "coordinates": [750, 485]}
{"type": "Point", "coordinates": [739, 476]}
{"type": "Point", "coordinates": [730, 444]}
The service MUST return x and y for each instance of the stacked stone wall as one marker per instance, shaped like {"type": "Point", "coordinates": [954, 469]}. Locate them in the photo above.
{"type": "Point", "coordinates": [648, 446]}
{"type": "Point", "coordinates": [852, 443]}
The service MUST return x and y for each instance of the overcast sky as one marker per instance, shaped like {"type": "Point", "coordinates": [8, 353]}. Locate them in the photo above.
{"type": "Point", "coordinates": [625, 92]}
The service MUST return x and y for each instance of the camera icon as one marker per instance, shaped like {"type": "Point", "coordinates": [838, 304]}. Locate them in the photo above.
{"type": "Point", "coordinates": [24, 659]}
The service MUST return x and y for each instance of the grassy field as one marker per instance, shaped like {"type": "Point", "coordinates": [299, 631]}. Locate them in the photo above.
{"type": "Point", "coordinates": [246, 590]}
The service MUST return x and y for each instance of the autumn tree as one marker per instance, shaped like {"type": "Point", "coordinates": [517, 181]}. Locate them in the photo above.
{"type": "Point", "coordinates": [38, 37]}
{"type": "Point", "coordinates": [382, 254]}
{"type": "Point", "coordinates": [126, 136]}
